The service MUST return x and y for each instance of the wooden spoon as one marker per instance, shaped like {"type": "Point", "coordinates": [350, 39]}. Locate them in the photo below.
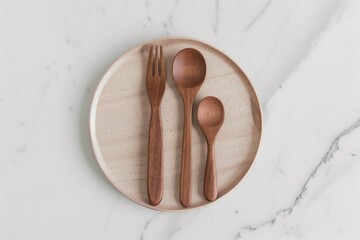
{"type": "Point", "coordinates": [210, 116]}
{"type": "Point", "coordinates": [189, 70]}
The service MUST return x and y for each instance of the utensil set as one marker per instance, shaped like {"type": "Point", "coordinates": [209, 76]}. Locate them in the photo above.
{"type": "Point", "coordinates": [189, 71]}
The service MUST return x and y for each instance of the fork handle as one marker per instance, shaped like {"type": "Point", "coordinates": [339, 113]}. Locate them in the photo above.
{"type": "Point", "coordinates": [155, 182]}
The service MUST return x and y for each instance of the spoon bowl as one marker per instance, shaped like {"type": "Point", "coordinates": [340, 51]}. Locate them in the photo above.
{"type": "Point", "coordinates": [189, 68]}
{"type": "Point", "coordinates": [210, 113]}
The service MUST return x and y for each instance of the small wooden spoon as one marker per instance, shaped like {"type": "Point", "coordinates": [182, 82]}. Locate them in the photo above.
{"type": "Point", "coordinates": [210, 116]}
{"type": "Point", "coordinates": [189, 70]}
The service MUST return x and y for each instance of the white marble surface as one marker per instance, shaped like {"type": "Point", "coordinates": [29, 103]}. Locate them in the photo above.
{"type": "Point", "coordinates": [303, 57]}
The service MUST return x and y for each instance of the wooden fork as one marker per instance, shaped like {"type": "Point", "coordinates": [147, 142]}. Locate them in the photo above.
{"type": "Point", "coordinates": [155, 86]}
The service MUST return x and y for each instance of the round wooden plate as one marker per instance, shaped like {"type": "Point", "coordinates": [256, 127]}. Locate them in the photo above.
{"type": "Point", "coordinates": [120, 115]}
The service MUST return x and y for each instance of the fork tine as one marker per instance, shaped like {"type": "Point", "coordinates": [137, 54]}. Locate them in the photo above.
{"type": "Point", "coordinates": [156, 62]}
{"type": "Point", "coordinates": [162, 63]}
{"type": "Point", "coordinates": [150, 62]}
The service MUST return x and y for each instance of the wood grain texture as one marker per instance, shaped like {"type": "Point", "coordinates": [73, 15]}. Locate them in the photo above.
{"type": "Point", "coordinates": [186, 173]}
{"type": "Point", "coordinates": [210, 179]}
{"type": "Point", "coordinates": [210, 117]}
{"type": "Point", "coordinates": [119, 124]}
{"type": "Point", "coordinates": [155, 87]}
{"type": "Point", "coordinates": [189, 70]}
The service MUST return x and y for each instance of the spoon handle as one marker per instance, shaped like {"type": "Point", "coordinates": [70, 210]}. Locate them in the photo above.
{"type": "Point", "coordinates": [155, 182]}
{"type": "Point", "coordinates": [185, 181]}
{"type": "Point", "coordinates": [210, 181]}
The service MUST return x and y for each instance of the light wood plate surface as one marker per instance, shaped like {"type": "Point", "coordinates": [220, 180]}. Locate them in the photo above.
{"type": "Point", "coordinates": [120, 115]}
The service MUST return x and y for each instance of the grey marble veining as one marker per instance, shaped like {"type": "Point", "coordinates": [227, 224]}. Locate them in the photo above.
{"type": "Point", "coordinates": [302, 57]}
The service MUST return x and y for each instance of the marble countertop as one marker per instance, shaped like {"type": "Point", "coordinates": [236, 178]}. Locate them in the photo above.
{"type": "Point", "coordinates": [303, 58]}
